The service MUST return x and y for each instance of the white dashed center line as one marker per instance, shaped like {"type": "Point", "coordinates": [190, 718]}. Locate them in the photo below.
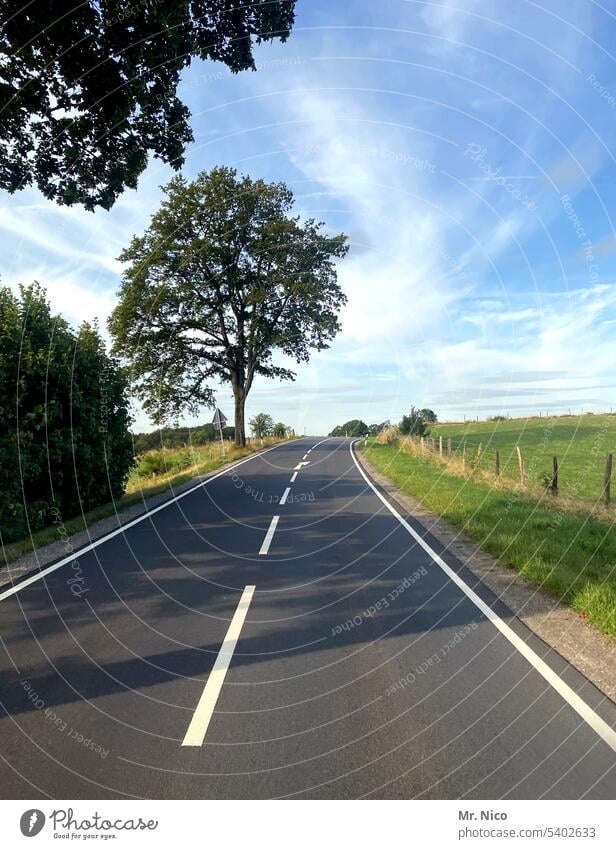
{"type": "Point", "coordinates": [268, 536]}
{"type": "Point", "coordinates": [203, 713]}
{"type": "Point", "coordinates": [293, 477]}
{"type": "Point", "coordinates": [285, 495]}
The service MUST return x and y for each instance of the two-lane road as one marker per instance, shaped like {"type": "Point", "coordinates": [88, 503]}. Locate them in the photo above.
{"type": "Point", "coordinates": [279, 632]}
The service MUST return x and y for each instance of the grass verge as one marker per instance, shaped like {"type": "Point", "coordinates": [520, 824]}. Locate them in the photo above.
{"type": "Point", "coordinates": [155, 472]}
{"type": "Point", "coordinates": [570, 556]}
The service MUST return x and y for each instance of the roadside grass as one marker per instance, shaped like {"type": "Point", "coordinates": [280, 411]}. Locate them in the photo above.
{"type": "Point", "coordinates": [155, 472]}
{"type": "Point", "coordinates": [581, 444]}
{"type": "Point", "coordinates": [570, 556]}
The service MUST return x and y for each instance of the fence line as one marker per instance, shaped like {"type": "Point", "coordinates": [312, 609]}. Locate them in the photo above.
{"type": "Point", "coordinates": [460, 451]}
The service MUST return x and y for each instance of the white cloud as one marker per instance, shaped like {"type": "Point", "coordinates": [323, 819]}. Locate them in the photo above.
{"type": "Point", "coordinates": [447, 18]}
{"type": "Point", "coordinates": [544, 341]}
{"type": "Point", "coordinates": [381, 181]}
{"type": "Point", "coordinates": [67, 294]}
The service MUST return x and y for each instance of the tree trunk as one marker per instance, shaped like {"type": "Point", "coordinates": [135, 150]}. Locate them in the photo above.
{"type": "Point", "coordinates": [240, 431]}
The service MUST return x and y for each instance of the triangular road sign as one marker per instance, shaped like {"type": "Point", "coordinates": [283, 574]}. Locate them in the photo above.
{"type": "Point", "coordinates": [219, 420]}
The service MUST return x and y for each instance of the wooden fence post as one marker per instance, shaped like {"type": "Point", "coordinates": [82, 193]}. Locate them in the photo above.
{"type": "Point", "coordinates": [440, 445]}
{"type": "Point", "coordinates": [497, 464]}
{"type": "Point", "coordinates": [449, 448]}
{"type": "Point", "coordinates": [421, 442]}
{"type": "Point", "coordinates": [479, 450]}
{"type": "Point", "coordinates": [607, 479]}
{"type": "Point", "coordinates": [520, 464]}
{"type": "Point", "coordinates": [554, 484]}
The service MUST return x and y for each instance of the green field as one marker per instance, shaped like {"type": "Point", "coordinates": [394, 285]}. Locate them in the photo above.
{"type": "Point", "coordinates": [581, 444]}
{"type": "Point", "coordinates": [571, 556]}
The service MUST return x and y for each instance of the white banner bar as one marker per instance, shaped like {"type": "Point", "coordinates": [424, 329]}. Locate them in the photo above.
{"type": "Point", "coordinates": [307, 824]}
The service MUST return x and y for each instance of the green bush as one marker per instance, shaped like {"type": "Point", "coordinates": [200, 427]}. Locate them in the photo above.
{"type": "Point", "coordinates": [414, 424]}
{"type": "Point", "coordinates": [163, 462]}
{"type": "Point", "coordinates": [64, 438]}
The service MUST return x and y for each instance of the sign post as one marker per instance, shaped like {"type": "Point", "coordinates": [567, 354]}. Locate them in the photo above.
{"type": "Point", "coordinates": [219, 421]}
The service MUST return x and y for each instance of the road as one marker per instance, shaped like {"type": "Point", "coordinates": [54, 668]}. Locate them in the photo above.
{"type": "Point", "coordinates": [212, 651]}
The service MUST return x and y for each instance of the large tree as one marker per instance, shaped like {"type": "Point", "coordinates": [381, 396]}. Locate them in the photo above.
{"type": "Point", "coordinates": [223, 278]}
{"type": "Point", "coordinates": [88, 89]}
{"type": "Point", "coordinates": [262, 425]}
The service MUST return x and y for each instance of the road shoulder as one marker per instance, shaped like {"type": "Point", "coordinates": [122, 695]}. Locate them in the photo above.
{"type": "Point", "coordinates": [579, 642]}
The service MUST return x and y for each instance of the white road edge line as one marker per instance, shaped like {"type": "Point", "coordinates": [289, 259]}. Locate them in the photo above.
{"type": "Point", "coordinates": [598, 725]}
{"type": "Point", "coordinates": [285, 495]}
{"type": "Point", "coordinates": [80, 551]}
{"type": "Point", "coordinates": [269, 535]}
{"type": "Point", "coordinates": [203, 712]}
{"type": "Point", "coordinates": [305, 455]}
{"type": "Point", "coordinates": [293, 477]}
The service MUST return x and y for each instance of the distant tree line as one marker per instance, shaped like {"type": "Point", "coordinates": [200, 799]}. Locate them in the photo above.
{"type": "Point", "coordinates": [261, 425]}
{"type": "Point", "coordinates": [64, 417]}
{"type": "Point", "coordinates": [178, 437]}
{"type": "Point", "coordinates": [415, 423]}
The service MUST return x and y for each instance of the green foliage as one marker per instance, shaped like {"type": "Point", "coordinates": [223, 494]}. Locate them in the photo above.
{"type": "Point", "coordinates": [222, 279]}
{"type": "Point", "coordinates": [414, 424]}
{"type": "Point", "coordinates": [262, 425]}
{"type": "Point", "coordinates": [64, 438]}
{"type": "Point", "coordinates": [88, 94]}
{"type": "Point", "coordinates": [428, 415]}
{"type": "Point", "coordinates": [279, 430]}
{"type": "Point", "coordinates": [354, 427]}
{"type": "Point", "coordinates": [375, 429]}
{"type": "Point", "coordinates": [174, 437]}
{"type": "Point", "coordinates": [163, 462]}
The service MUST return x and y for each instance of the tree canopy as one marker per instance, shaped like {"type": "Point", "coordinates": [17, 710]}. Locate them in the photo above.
{"type": "Point", "coordinates": [416, 423]}
{"type": "Point", "coordinates": [223, 278]}
{"type": "Point", "coordinates": [64, 417]}
{"type": "Point", "coordinates": [354, 427]}
{"type": "Point", "coordinates": [375, 429]}
{"type": "Point", "coordinates": [90, 89]}
{"type": "Point", "coordinates": [262, 425]}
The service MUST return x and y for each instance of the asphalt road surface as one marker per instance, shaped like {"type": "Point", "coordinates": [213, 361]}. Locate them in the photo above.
{"type": "Point", "coordinates": [214, 651]}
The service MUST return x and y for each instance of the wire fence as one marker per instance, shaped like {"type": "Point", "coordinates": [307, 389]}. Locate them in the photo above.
{"type": "Point", "coordinates": [523, 465]}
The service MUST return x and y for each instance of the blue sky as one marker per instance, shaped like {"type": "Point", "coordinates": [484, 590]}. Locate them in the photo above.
{"type": "Point", "coordinates": [467, 149]}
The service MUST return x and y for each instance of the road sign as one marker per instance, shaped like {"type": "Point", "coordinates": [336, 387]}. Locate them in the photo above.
{"type": "Point", "coordinates": [219, 420]}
